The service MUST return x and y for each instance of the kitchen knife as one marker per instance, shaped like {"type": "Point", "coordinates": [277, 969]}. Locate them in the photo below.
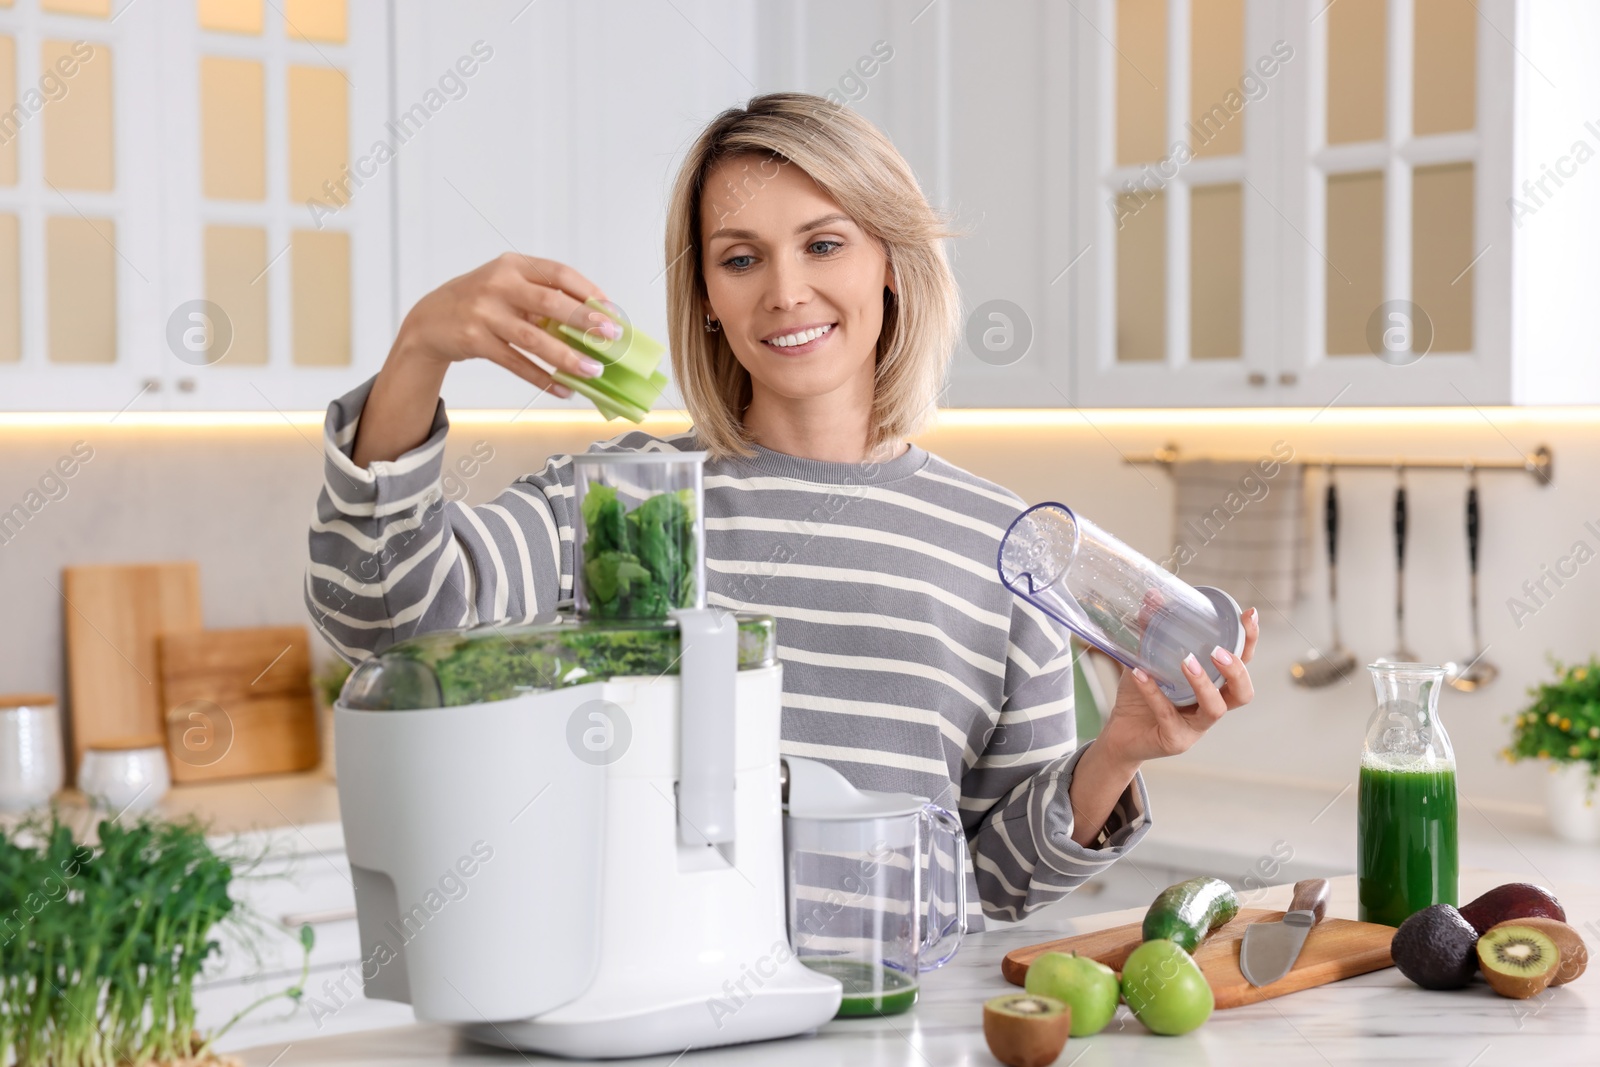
{"type": "Point", "coordinates": [1270, 948]}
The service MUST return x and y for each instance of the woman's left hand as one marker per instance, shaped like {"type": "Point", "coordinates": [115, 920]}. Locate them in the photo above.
{"type": "Point", "coordinates": [1143, 723]}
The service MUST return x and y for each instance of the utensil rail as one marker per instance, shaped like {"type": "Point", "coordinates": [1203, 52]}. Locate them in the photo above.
{"type": "Point", "coordinates": [1540, 463]}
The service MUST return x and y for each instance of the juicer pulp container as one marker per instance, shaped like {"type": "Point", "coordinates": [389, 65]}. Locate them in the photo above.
{"type": "Point", "coordinates": [1123, 603]}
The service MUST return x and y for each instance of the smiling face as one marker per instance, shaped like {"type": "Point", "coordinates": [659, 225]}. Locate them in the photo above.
{"type": "Point", "coordinates": [796, 285]}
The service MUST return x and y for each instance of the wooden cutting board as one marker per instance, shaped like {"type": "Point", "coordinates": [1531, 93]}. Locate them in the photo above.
{"type": "Point", "coordinates": [238, 703]}
{"type": "Point", "coordinates": [112, 617]}
{"type": "Point", "coordinates": [1335, 949]}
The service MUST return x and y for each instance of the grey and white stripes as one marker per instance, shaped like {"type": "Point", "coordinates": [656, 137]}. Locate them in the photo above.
{"type": "Point", "coordinates": [908, 667]}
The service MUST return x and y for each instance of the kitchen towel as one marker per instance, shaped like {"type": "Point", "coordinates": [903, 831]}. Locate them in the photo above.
{"type": "Point", "coordinates": [1241, 526]}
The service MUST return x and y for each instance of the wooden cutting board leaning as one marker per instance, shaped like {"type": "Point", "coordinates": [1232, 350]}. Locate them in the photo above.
{"type": "Point", "coordinates": [113, 615]}
{"type": "Point", "coordinates": [1335, 949]}
{"type": "Point", "coordinates": [238, 703]}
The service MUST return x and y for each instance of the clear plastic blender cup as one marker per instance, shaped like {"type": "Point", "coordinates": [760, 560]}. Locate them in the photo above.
{"type": "Point", "coordinates": [877, 886]}
{"type": "Point", "coordinates": [1123, 603]}
{"type": "Point", "coordinates": [639, 526]}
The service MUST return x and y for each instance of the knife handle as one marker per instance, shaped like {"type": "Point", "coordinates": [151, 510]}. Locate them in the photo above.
{"type": "Point", "coordinates": [1311, 895]}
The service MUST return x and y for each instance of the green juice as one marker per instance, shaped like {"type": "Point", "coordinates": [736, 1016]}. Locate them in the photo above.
{"type": "Point", "coordinates": [868, 988]}
{"type": "Point", "coordinates": [1406, 841]}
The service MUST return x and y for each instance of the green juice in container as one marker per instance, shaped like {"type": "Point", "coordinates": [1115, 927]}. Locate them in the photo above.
{"type": "Point", "coordinates": [1406, 804]}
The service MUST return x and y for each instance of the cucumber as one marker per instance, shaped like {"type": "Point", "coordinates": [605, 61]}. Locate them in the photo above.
{"type": "Point", "coordinates": [1187, 912]}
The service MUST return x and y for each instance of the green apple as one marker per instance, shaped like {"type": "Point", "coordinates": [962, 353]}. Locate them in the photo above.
{"type": "Point", "coordinates": [1164, 987]}
{"type": "Point", "coordinates": [1088, 986]}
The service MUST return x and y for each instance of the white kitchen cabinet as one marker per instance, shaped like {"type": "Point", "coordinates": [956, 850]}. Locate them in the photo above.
{"type": "Point", "coordinates": [239, 202]}
{"type": "Point", "coordinates": [563, 147]}
{"type": "Point", "coordinates": [554, 129]}
{"type": "Point", "coordinates": [1236, 256]}
{"type": "Point", "coordinates": [293, 883]}
{"type": "Point", "coordinates": [1337, 221]}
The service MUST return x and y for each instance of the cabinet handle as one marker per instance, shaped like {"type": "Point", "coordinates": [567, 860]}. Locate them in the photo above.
{"type": "Point", "coordinates": [1257, 378]}
{"type": "Point", "coordinates": [150, 385]}
{"type": "Point", "coordinates": [317, 918]}
{"type": "Point", "coordinates": [1288, 377]}
{"type": "Point", "coordinates": [186, 385]}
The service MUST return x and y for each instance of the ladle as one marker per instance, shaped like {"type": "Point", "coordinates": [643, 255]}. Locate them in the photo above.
{"type": "Point", "coordinates": [1402, 651]}
{"type": "Point", "coordinates": [1477, 672]}
{"type": "Point", "coordinates": [1318, 669]}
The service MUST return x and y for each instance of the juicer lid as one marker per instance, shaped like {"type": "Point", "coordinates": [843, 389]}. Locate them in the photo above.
{"type": "Point", "coordinates": [817, 791]}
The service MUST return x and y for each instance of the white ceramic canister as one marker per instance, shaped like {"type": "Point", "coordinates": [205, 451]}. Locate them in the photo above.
{"type": "Point", "coordinates": [31, 765]}
{"type": "Point", "coordinates": [125, 776]}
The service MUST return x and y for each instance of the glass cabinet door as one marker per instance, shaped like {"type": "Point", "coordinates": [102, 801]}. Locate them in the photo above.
{"type": "Point", "coordinates": [77, 272]}
{"type": "Point", "coordinates": [1177, 110]}
{"type": "Point", "coordinates": [1398, 288]}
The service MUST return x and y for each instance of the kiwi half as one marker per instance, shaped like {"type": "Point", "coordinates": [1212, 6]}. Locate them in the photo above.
{"type": "Point", "coordinates": [1574, 953]}
{"type": "Point", "coordinates": [1025, 1029]}
{"type": "Point", "coordinates": [1518, 960]}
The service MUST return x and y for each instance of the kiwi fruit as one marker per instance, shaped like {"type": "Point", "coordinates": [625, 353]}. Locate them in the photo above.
{"type": "Point", "coordinates": [1026, 1029]}
{"type": "Point", "coordinates": [1518, 960]}
{"type": "Point", "coordinates": [1574, 953]}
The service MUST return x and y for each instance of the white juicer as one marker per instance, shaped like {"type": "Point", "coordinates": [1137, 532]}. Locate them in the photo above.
{"type": "Point", "coordinates": [567, 836]}
{"type": "Point", "coordinates": [628, 906]}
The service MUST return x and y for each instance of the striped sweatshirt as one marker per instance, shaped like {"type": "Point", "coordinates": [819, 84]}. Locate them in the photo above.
{"type": "Point", "coordinates": [907, 665]}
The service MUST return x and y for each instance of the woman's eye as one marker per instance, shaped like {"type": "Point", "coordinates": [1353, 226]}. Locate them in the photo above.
{"type": "Point", "coordinates": [831, 246]}
{"type": "Point", "coordinates": [732, 262]}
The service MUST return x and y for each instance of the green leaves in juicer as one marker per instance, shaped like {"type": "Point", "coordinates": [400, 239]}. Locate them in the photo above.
{"type": "Point", "coordinates": [637, 564]}
{"type": "Point", "coordinates": [630, 384]}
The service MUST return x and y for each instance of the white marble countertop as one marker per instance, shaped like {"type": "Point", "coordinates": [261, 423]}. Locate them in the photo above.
{"type": "Point", "coordinates": [1201, 821]}
{"type": "Point", "coordinates": [1379, 1018]}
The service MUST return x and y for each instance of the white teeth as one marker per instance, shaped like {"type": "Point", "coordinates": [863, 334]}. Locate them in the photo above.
{"type": "Point", "coordinates": [792, 339]}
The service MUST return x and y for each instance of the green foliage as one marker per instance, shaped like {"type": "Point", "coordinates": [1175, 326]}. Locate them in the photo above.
{"type": "Point", "coordinates": [1563, 721]}
{"type": "Point", "coordinates": [638, 564]}
{"type": "Point", "coordinates": [490, 664]}
{"type": "Point", "coordinates": [100, 946]}
{"type": "Point", "coordinates": [329, 680]}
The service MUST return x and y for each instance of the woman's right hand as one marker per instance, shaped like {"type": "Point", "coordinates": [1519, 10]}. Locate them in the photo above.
{"type": "Point", "coordinates": [505, 302]}
{"type": "Point", "coordinates": [479, 315]}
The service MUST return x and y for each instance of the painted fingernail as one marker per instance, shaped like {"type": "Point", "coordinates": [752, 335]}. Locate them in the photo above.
{"type": "Point", "coordinates": [1252, 613]}
{"type": "Point", "coordinates": [605, 327]}
{"type": "Point", "coordinates": [1138, 672]}
{"type": "Point", "coordinates": [1191, 664]}
{"type": "Point", "coordinates": [589, 367]}
{"type": "Point", "coordinates": [1222, 655]}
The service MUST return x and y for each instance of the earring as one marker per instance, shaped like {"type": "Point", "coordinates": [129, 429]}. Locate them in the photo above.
{"type": "Point", "coordinates": [712, 325]}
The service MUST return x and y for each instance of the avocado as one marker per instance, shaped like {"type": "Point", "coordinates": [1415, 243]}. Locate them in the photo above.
{"type": "Point", "coordinates": [1436, 948]}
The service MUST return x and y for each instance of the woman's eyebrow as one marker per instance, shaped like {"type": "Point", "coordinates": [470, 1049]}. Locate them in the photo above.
{"type": "Point", "coordinates": [750, 235]}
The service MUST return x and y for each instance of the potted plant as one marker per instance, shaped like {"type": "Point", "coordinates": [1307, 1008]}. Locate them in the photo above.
{"type": "Point", "coordinates": [1562, 726]}
{"type": "Point", "coordinates": [101, 945]}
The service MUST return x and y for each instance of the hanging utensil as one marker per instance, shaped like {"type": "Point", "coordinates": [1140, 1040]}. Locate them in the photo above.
{"type": "Point", "coordinates": [1478, 671]}
{"type": "Point", "coordinates": [1318, 669]}
{"type": "Point", "coordinates": [1402, 651]}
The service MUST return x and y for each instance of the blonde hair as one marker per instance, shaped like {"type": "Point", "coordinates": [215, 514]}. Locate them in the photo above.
{"type": "Point", "coordinates": [852, 161]}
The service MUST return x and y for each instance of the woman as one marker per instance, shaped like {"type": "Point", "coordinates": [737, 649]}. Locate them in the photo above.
{"type": "Point", "coordinates": [811, 314]}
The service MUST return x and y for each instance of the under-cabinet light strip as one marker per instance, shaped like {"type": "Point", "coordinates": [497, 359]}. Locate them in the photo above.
{"type": "Point", "coordinates": [950, 418]}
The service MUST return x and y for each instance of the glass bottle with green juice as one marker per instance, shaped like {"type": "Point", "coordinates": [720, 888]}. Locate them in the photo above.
{"type": "Point", "coordinates": [1406, 803]}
